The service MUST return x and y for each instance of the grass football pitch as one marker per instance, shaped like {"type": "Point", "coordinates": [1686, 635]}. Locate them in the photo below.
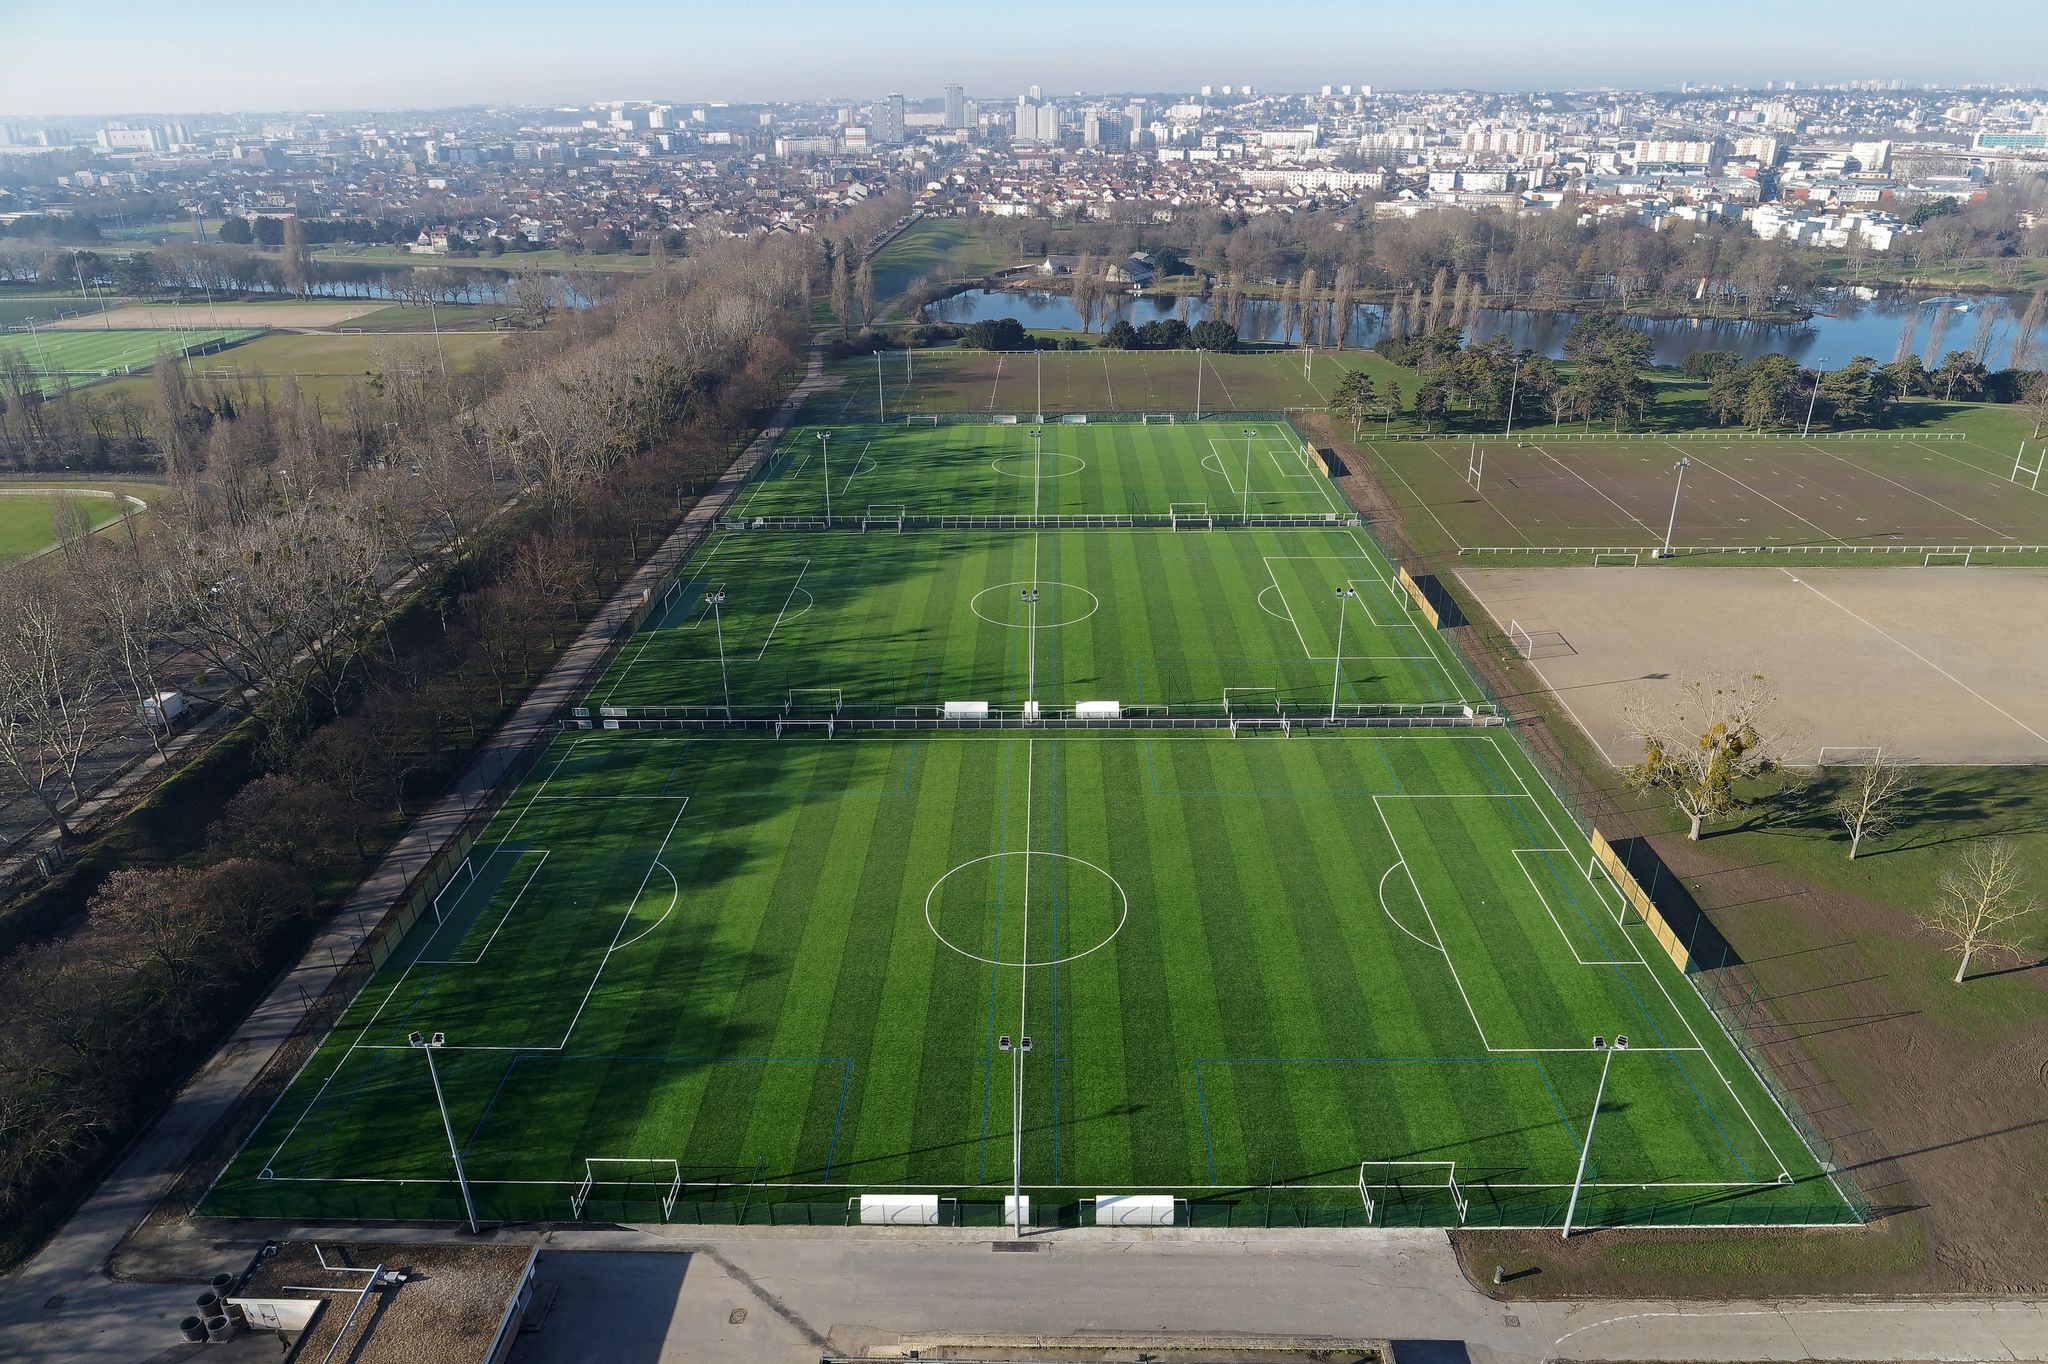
{"type": "Point", "coordinates": [26, 525]}
{"type": "Point", "coordinates": [1842, 498]}
{"type": "Point", "coordinates": [694, 976]}
{"type": "Point", "coordinates": [66, 359]}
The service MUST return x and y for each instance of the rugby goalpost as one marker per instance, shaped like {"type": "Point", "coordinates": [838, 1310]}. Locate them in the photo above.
{"type": "Point", "coordinates": [882, 514]}
{"type": "Point", "coordinates": [1475, 466]}
{"type": "Point", "coordinates": [1395, 1180]}
{"type": "Point", "coordinates": [2019, 465]}
{"type": "Point", "coordinates": [1190, 513]}
{"type": "Point", "coordinates": [669, 1180]}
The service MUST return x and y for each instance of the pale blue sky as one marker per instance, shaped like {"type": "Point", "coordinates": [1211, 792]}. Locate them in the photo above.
{"type": "Point", "coordinates": [118, 55]}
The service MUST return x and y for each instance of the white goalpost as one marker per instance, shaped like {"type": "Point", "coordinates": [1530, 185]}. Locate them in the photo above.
{"type": "Point", "coordinates": [1617, 558]}
{"type": "Point", "coordinates": [884, 514]}
{"type": "Point", "coordinates": [920, 418]}
{"type": "Point", "coordinates": [1521, 640]}
{"type": "Point", "coordinates": [786, 728]}
{"type": "Point", "coordinates": [1475, 466]}
{"type": "Point", "coordinates": [465, 874]}
{"type": "Point", "coordinates": [667, 1181]}
{"type": "Point", "coordinates": [1180, 514]}
{"type": "Point", "coordinates": [1946, 558]}
{"type": "Point", "coordinates": [1398, 1178]}
{"type": "Point", "coordinates": [1848, 755]}
{"type": "Point", "coordinates": [2019, 465]}
{"type": "Point", "coordinates": [1241, 725]}
{"type": "Point", "coordinates": [801, 701]}
{"type": "Point", "coordinates": [1157, 419]}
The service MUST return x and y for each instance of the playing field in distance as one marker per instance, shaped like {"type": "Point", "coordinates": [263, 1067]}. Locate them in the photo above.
{"type": "Point", "coordinates": [27, 525]}
{"type": "Point", "coordinates": [66, 359]}
{"type": "Point", "coordinates": [1840, 496]}
{"type": "Point", "coordinates": [718, 975]}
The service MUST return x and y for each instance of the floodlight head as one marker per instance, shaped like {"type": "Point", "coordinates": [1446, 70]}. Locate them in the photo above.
{"type": "Point", "coordinates": [1684, 462]}
{"type": "Point", "coordinates": [1599, 1043]}
{"type": "Point", "coordinates": [416, 1039]}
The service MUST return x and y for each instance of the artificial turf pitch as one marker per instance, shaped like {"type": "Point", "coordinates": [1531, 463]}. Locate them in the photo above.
{"type": "Point", "coordinates": [65, 359]}
{"type": "Point", "coordinates": [692, 976]}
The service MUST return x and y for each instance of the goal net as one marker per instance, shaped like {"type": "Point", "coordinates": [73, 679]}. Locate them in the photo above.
{"type": "Point", "coordinates": [1384, 1185]}
{"type": "Point", "coordinates": [1946, 558]}
{"type": "Point", "coordinates": [1618, 558]}
{"type": "Point", "coordinates": [813, 701]}
{"type": "Point", "coordinates": [626, 1179]}
{"type": "Point", "coordinates": [884, 514]}
{"type": "Point", "coordinates": [1849, 755]}
{"type": "Point", "coordinates": [798, 729]}
{"type": "Point", "coordinates": [1520, 639]}
{"type": "Point", "coordinates": [1190, 514]}
{"type": "Point", "coordinates": [1242, 725]}
{"type": "Point", "coordinates": [1157, 419]}
{"type": "Point", "coordinates": [921, 419]}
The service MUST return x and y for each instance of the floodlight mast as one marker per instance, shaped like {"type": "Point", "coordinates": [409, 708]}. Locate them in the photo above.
{"type": "Point", "coordinates": [1246, 505]}
{"type": "Point", "coordinates": [881, 408]}
{"type": "Point", "coordinates": [1813, 401]}
{"type": "Point", "coordinates": [1344, 596]}
{"type": "Point", "coordinates": [825, 444]}
{"type": "Point", "coordinates": [430, 1045]}
{"type": "Point", "coordinates": [1606, 1059]}
{"type": "Point", "coordinates": [1198, 383]}
{"type": "Point", "coordinates": [1684, 463]}
{"type": "Point", "coordinates": [717, 599]}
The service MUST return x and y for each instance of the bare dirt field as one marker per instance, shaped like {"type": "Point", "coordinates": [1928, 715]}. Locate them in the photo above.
{"type": "Point", "coordinates": [1940, 665]}
{"type": "Point", "coordinates": [285, 313]}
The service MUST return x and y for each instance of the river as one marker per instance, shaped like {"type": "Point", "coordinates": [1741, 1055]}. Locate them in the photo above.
{"type": "Point", "coordinates": [1847, 325]}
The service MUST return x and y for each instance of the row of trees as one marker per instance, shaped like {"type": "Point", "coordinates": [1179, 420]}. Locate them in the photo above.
{"type": "Point", "coordinates": [1211, 334]}
{"type": "Point", "coordinates": [257, 582]}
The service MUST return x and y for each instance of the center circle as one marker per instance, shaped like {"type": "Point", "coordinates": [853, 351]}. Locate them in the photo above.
{"type": "Point", "coordinates": [1050, 465]}
{"type": "Point", "coordinates": [965, 908]}
{"type": "Point", "coordinates": [1051, 595]}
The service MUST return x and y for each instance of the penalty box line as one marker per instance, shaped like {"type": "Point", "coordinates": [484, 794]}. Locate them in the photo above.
{"type": "Point", "coordinates": [359, 1045]}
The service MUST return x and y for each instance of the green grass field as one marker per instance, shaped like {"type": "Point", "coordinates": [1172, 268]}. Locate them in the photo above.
{"type": "Point", "coordinates": [26, 526]}
{"type": "Point", "coordinates": [943, 248]}
{"type": "Point", "coordinates": [1840, 498]}
{"type": "Point", "coordinates": [325, 363]}
{"type": "Point", "coordinates": [1180, 620]}
{"type": "Point", "coordinates": [66, 359]}
{"type": "Point", "coordinates": [722, 976]}
{"type": "Point", "coordinates": [975, 468]}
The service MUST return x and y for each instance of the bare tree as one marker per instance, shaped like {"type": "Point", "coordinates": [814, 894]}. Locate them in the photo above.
{"type": "Point", "coordinates": [51, 683]}
{"type": "Point", "coordinates": [1982, 903]}
{"type": "Point", "coordinates": [296, 264]}
{"type": "Point", "coordinates": [1868, 803]}
{"type": "Point", "coordinates": [2035, 405]}
{"type": "Point", "coordinates": [1701, 745]}
{"type": "Point", "coordinates": [864, 291]}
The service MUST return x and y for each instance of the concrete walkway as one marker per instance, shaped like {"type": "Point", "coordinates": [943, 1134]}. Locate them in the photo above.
{"type": "Point", "coordinates": [72, 1267]}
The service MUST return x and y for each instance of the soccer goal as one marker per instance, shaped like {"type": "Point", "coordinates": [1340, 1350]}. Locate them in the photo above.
{"type": "Point", "coordinates": [2033, 475]}
{"type": "Point", "coordinates": [1190, 515]}
{"type": "Point", "coordinates": [1521, 640]}
{"type": "Point", "coordinates": [1244, 725]}
{"type": "Point", "coordinates": [1849, 755]}
{"type": "Point", "coordinates": [1157, 419]}
{"type": "Point", "coordinates": [1251, 701]}
{"type": "Point", "coordinates": [804, 729]}
{"type": "Point", "coordinates": [802, 701]}
{"type": "Point", "coordinates": [884, 514]}
{"type": "Point", "coordinates": [1946, 558]}
{"type": "Point", "coordinates": [1405, 1182]}
{"type": "Point", "coordinates": [632, 1177]}
{"type": "Point", "coordinates": [921, 419]}
{"type": "Point", "coordinates": [459, 881]}
{"type": "Point", "coordinates": [1004, 419]}
{"type": "Point", "coordinates": [1617, 558]}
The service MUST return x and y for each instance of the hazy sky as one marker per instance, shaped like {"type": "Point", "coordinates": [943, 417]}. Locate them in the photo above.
{"type": "Point", "coordinates": [115, 56]}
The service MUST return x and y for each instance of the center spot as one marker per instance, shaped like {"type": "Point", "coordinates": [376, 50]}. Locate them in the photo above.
{"type": "Point", "coordinates": [1026, 908]}
{"type": "Point", "coordinates": [1058, 604]}
{"type": "Point", "coordinates": [1050, 465]}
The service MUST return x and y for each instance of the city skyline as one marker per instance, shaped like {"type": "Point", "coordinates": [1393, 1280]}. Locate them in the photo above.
{"type": "Point", "coordinates": [526, 57]}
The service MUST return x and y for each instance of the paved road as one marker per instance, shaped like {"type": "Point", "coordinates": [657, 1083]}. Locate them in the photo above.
{"type": "Point", "coordinates": [803, 1295]}
{"type": "Point", "coordinates": [71, 1266]}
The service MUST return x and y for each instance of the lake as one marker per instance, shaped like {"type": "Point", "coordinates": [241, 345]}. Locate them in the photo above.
{"type": "Point", "coordinates": [1848, 325]}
